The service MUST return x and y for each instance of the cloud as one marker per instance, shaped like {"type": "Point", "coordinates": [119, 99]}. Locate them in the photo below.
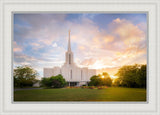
{"type": "Point", "coordinates": [16, 47]}
{"type": "Point", "coordinates": [122, 43]}
{"type": "Point", "coordinates": [142, 26]}
{"type": "Point", "coordinates": [41, 40]}
{"type": "Point", "coordinates": [44, 28]}
{"type": "Point", "coordinates": [54, 45]}
{"type": "Point", "coordinates": [35, 44]}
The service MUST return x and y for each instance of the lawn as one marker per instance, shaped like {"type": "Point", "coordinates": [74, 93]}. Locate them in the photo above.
{"type": "Point", "coordinates": [79, 94]}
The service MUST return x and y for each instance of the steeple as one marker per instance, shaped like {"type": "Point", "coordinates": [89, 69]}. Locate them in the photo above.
{"type": "Point", "coordinates": [69, 54]}
{"type": "Point", "coordinates": [69, 44]}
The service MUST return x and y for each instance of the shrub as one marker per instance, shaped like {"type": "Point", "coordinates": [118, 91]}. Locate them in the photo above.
{"type": "Point", "coordinates": [84, 87]}
{"type": "Point", "coordinates": [102, 87]}
{"type": "Point", "coordinates": [91, 87]}
{"type": "Point", "coordinates": [54, 81]}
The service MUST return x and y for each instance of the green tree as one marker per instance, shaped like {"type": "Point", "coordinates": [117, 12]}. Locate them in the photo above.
{"type": "Point", "coordinates": [132, 75]}
{"type": "Point", "coordinates": [105, 79]}
{"type": "Point", "coordinates": [94, 81]}
{"type": "Point", "coordinates": [105, 74]}
{"type": "Point", "coordinates": [24, 76]}
{"type": "Point", "coordinates": [54, 81]}
{"type": "Point", "coordinates": [117, 82]}
{"type": "Point", "coordinates": [101, 80]}
{"type": "Point", "coordinates": [45, 82]}
{"type": "Point", "coordinates": [141, 76]}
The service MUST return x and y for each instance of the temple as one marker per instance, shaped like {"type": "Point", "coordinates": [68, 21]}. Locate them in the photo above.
{"type": "Point", "coordinates": [74, 75]}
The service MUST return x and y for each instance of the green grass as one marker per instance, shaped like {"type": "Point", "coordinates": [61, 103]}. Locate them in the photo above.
{"type": "Point", "coordinates": [78, 94]}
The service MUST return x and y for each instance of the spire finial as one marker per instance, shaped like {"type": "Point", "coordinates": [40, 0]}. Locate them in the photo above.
{"type": "Point", "coordinates": [69, 45]}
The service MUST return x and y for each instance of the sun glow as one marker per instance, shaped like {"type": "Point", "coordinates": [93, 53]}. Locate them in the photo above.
{"type": "Point", "coordinates": [99, 64]}
{"type": "Point", "coordinates": [113, 77]}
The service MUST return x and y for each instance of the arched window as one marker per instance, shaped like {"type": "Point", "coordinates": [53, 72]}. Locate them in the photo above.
{"type": "Point", "coordinates": [71, 74]}
{"type": "Point", "coordinates": [81, 74]}
{"type": "Point", "coordinates": [69, 58]}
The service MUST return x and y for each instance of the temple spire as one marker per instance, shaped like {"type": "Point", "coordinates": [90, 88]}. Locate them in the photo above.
{"type": "Point", "coordinates": [69, 44]}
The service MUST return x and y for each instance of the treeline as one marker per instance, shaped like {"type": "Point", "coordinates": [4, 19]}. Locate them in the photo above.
{"type": "Point", "coordinates": [131, 76]}
{"type": "Point", "coordinates": [25, 76]}
{"type": "Point", "coordinates": [128, 76]}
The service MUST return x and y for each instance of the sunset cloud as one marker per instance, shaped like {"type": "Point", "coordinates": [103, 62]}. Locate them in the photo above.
{"type": "Point", "coordinates": [123, 41]}
{"type": "Point", "coordinates": [97, 40]}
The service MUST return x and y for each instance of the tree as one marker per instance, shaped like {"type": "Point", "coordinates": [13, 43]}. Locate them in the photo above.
{"type": "Point", "coordinates": [141, 76]}
{"type": "Point", "coordinates": [54, 81]}
{"type": "Point", "coordinates": [94, 81]}
{"type": "Point", "coordinates": [132, 75]}
{"type": "Point", "coordinates": [45, 82]}
{"type": "Point", "coordinates": [24, 76]}
{"type": "Point", "coordinates": [105, 74]}
{"type": "Point", "coordinates": [106, 81]}
{"type": "Point", "coordinates": [117, 82]}
{"type": "Point", "coordinates": [101, 81]}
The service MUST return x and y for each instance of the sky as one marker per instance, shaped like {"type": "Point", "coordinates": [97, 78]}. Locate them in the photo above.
{"type": "Point", "coordinates": [98, 40]}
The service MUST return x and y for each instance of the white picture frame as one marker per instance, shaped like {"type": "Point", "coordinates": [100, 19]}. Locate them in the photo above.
{"type": "Point", "coordinates": [152, 7]}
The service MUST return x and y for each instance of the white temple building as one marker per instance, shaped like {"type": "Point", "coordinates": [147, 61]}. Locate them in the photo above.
{"type": "Point", "coordinates": [74, 75]}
